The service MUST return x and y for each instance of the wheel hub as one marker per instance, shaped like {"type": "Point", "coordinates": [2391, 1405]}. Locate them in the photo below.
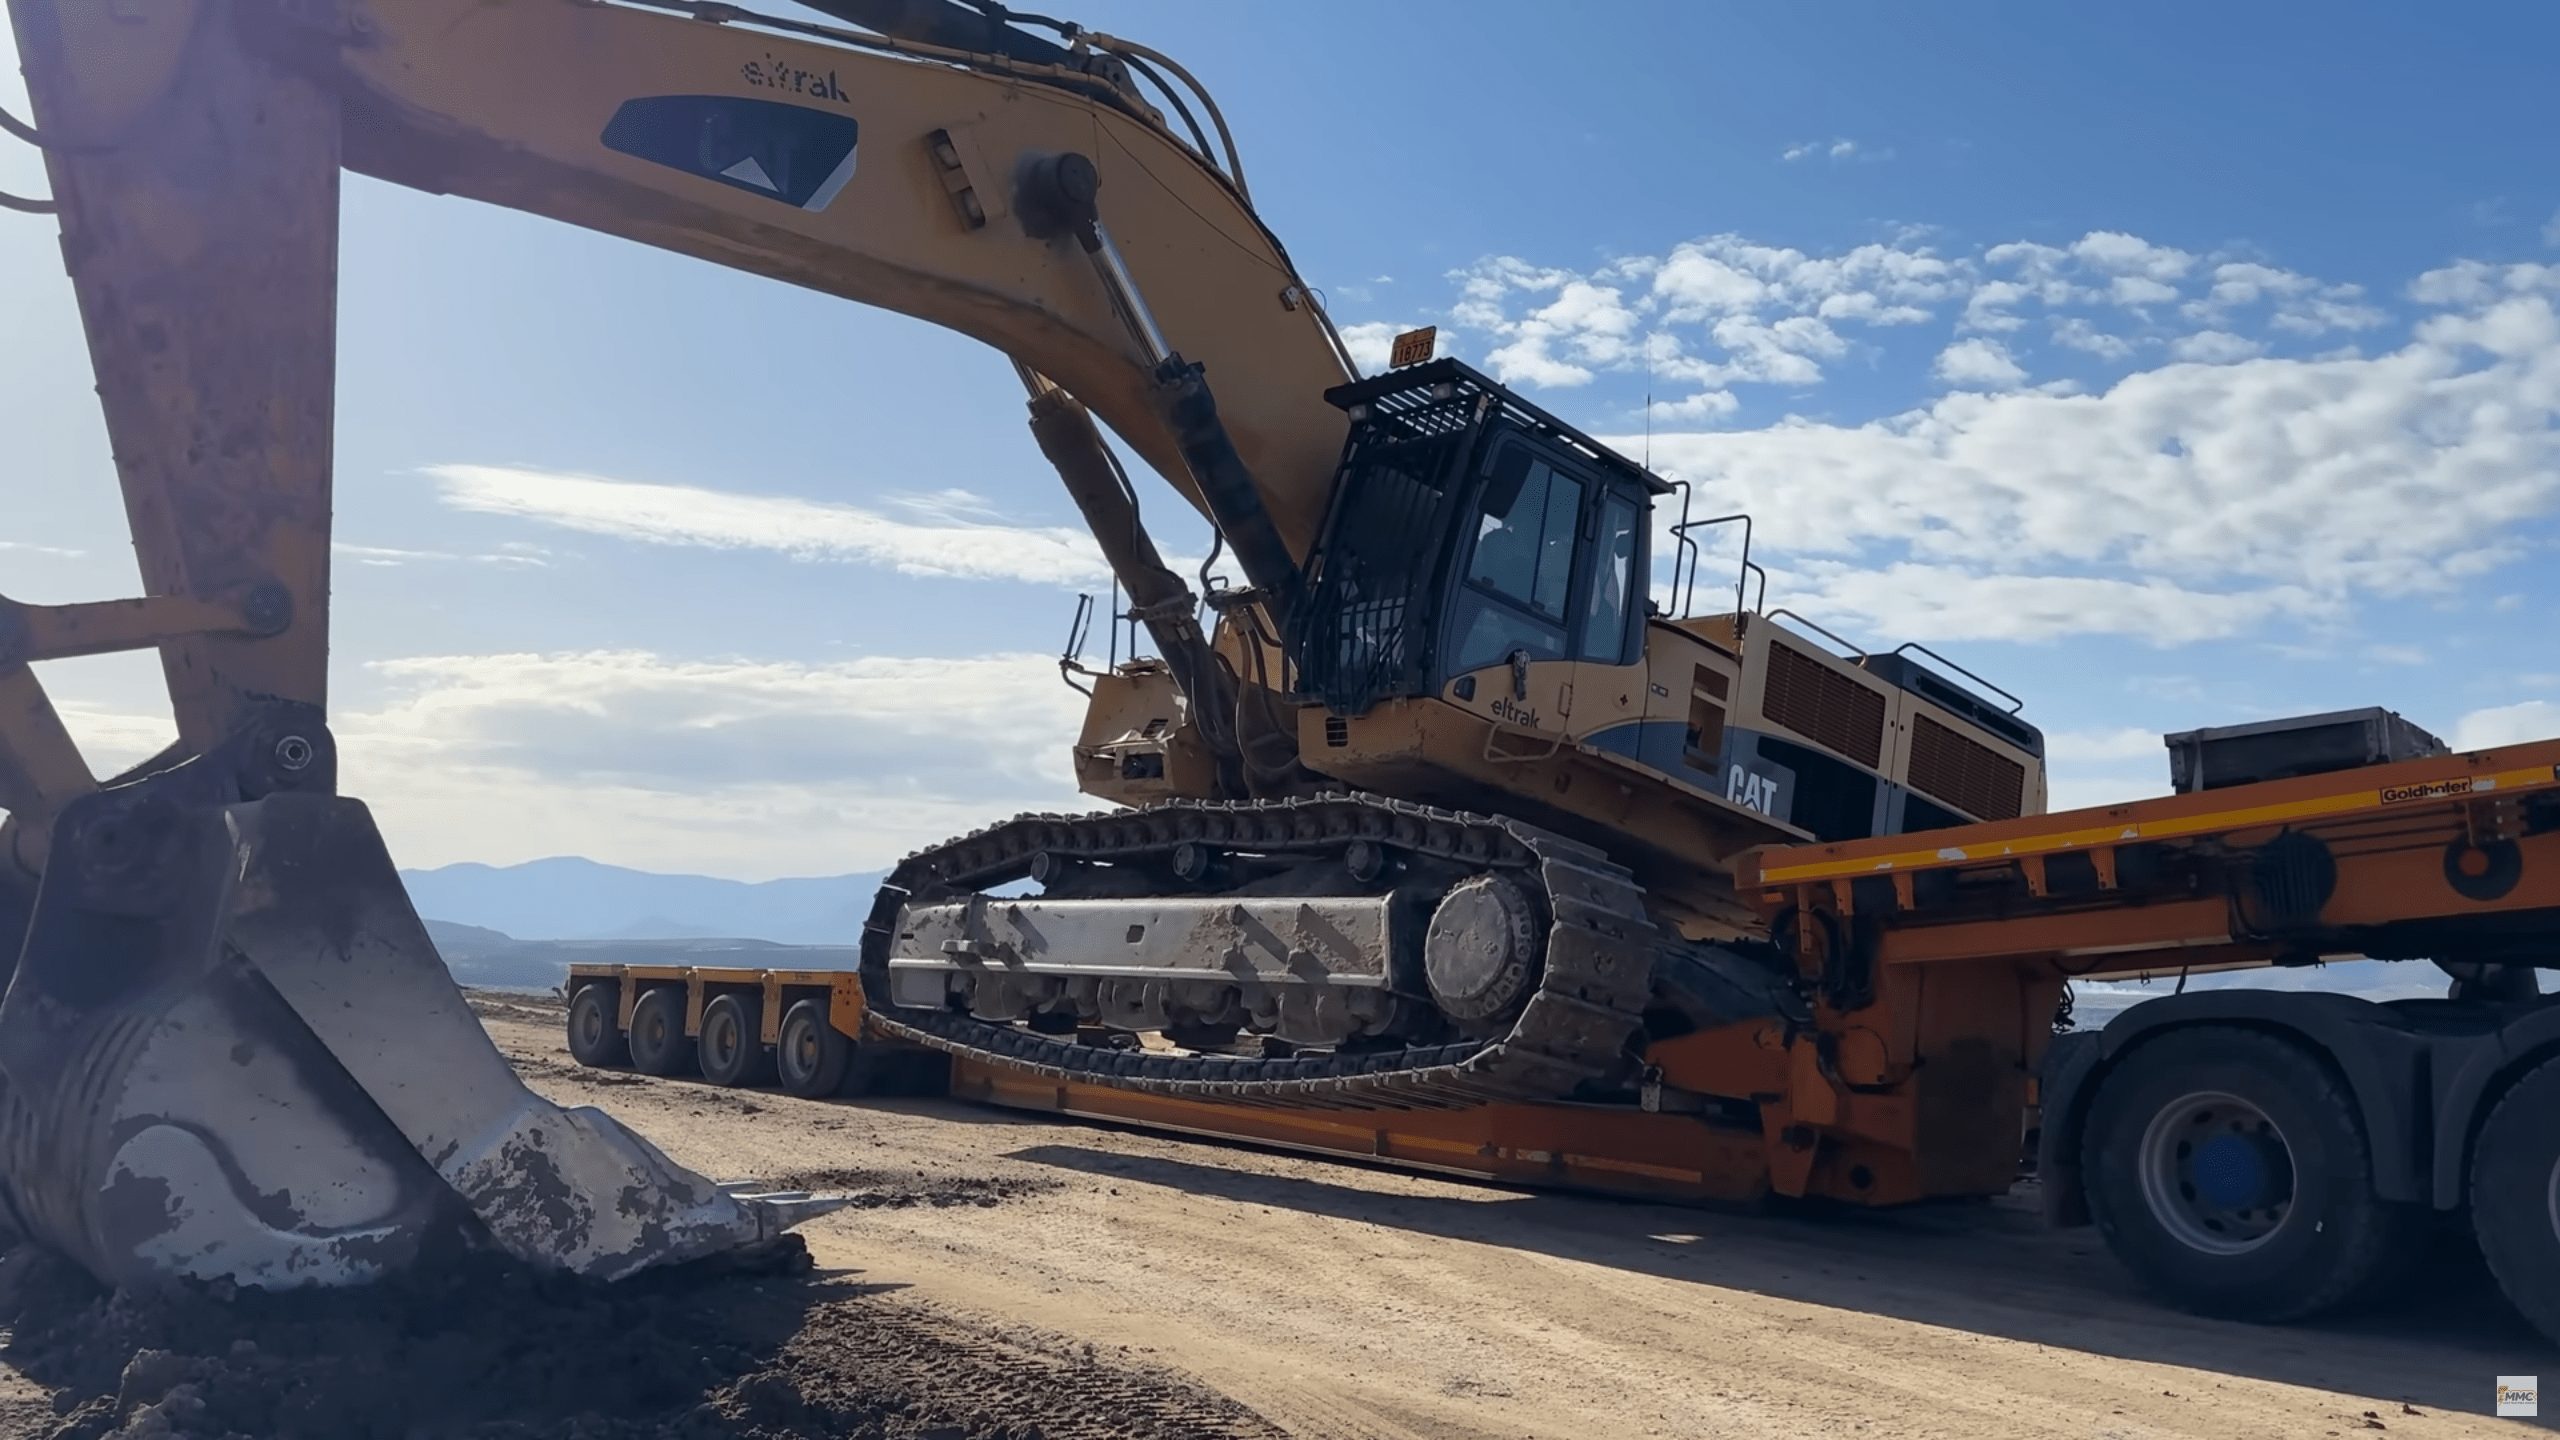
{"type": "Point", "coordinates": [2217, 1173]}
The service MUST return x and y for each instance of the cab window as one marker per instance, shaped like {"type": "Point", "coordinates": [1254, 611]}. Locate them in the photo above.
{"type": "Point", "coordinates": [1610, 588]}
{"type": "Point", "coordinates": [1520, 572]}
{"type": "Point", "coordinates": [1524, 550]}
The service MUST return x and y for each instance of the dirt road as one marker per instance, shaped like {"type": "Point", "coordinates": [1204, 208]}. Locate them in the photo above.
{"type": "Point", "coordinates": [1010, 1278]}
{"type": "Point", "coordinates": [1337, 1300]}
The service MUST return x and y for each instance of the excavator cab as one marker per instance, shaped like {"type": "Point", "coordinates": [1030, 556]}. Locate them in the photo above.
{"type": "Point", "coordinates": [1469, 529]}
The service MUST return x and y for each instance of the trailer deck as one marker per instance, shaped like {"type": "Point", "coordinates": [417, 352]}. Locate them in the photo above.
{"type": "Point", "coordinates": [1926, 1062]}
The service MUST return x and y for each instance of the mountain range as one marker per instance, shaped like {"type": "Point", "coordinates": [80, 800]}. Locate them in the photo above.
{"type": "Point", "coordinates": [568, 898]}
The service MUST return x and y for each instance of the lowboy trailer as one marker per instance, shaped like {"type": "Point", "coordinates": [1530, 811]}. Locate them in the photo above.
{"type": "Point", "coordinates": [2268, 1154]}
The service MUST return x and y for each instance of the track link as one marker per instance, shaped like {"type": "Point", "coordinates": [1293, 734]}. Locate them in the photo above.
{"type": "Point", "coordinates": [1574, 1031]}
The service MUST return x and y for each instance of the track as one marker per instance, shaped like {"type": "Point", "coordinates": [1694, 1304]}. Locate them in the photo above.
{"type": "Point", "coordinates": [1573, 1031]}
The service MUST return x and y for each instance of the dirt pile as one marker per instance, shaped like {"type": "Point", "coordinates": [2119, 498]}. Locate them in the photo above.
{"type": "Point", "coordinates": [484, 1349]}
{"type": "Point", "coordinates": [899, 1189]}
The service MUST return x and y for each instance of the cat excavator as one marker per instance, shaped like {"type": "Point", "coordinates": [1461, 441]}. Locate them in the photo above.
{"type": "Point", "coordinates": [1453, 800]}
{"type": "Point", "coordinates": [1430, 807]}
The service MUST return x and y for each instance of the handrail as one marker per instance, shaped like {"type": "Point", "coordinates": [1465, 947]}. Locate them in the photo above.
{"type": "Point", "coordinates": [1683, 548]}
{"type": "Point", "coordinates": [1071, 658]}
{"type": "Point", "coordinates": [1741, 577]}
{"type": "Point", "coordinates": [1832, 635]}
{"type": "Point", "coordinates": [2015, 704]}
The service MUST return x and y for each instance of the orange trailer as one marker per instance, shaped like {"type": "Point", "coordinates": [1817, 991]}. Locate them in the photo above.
{"type": "Point", "coordinates": [2259, 1152]}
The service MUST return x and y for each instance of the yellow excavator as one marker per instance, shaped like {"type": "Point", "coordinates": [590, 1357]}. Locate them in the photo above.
{"type": "Point", "coordinates": [1439, 805]}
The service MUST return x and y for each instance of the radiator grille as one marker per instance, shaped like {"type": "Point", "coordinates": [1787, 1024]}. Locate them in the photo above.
{"type": "Point", "coordinates": [1824, 706]}
{"type": "Point", "coordinates": [1964, 772]}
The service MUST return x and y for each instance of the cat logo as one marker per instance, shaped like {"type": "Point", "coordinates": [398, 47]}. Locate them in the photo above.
{"type": "Point", "coordinates": [1751, 791]}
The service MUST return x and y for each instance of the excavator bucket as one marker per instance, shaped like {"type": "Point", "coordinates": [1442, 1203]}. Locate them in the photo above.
{"type": "Point", "coordinates": [231, 1051]}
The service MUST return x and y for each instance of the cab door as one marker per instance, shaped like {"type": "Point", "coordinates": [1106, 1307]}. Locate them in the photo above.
{"type": "Point", "coordinates": [1508, 637]}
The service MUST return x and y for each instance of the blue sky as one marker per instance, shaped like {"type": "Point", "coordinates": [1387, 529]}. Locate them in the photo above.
{"type": "Point", "coordinates": [2172, 367]}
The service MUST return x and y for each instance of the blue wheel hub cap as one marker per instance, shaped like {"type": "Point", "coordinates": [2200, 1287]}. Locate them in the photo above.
{"type": "Point", "coordinates": [2230, 1173]}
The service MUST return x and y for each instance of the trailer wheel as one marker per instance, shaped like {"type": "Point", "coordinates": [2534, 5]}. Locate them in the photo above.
{"type": "Point", "coordinates": [659, 1045]}
{"type": "Point", "coordinates": [733, 1049]}
{"type": "Point", "coordinates": [595, 1030]}
{"type": "Point", "coordinates": [2515, 1196]}
{"type": "Point", "coordinates": [812, 1055]}
{"type": "Point", "coordinates": [2227, 1168]}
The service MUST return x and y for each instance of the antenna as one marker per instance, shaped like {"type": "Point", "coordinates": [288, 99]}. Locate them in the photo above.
{"type": "Point", "coordinates": [1648, 404]}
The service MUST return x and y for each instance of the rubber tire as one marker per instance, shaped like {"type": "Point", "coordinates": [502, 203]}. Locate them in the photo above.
{"type": "Point", "coordinates": [748, 1061]}
{"type": "Point", "coordinates": [659, 1045]}
{"type": "Point", "coordinates": [2340, 1243]}
{"type": "Point", "coordinates": [825, 1074]}
{"type": "Point", "coordinates": [595, 1027]}
{"type": "Point", "coordinates": [2511, 1174]}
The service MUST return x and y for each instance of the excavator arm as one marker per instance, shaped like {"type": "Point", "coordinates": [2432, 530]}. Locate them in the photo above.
{"type": "Point", "coordinates": [229, 1047]}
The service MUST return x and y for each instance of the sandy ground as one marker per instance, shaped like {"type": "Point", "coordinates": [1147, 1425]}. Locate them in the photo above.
{"type": "Point", "coordinates": [1338, 1300]}
{"type": "Point", "coordinates": [1077, 1280]}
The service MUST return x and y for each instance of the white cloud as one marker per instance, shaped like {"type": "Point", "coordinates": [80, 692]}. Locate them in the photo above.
{"type": "Point", "coordinates": [1694, 283]}
{"type": "Point", "coordinates": [1772, 312]}
{"type": "Point", "coordinates": [1908, 601]}
{"type": "Point", "coordinates": [1834, 150]}
{"type": "Point", "coordinates": [2516, 724]}
{"type": "Point", "coordinates": [2243, 488]}
{"type": "Point", "coordinates": [2086, 768]}
{"type": "Point", "coordinates": [2135, 291]}
{"type": "Point", "coordinates": [752, 768]}
{"type": "Point", "coordinates": [57, 552]}
{"type": "Point", "coordinates": [2077, 333]}
{"type": "Point", "coordinates": [2298, 304]}
{"type": "Point", "coordinates": [640, 759]}
{"type": "Point", "coordinates": [1978, 363]}
{"type": "Point", "coordinates": [2103, 747]}
{"type": "Point", "coordinates": [391, 557]}
{"type": "Point", "coordinates": [802, 529]}
{"type": "Point", "coordinates": [1591, 324]}
{"type": "Point", "coordinates": [2179, 503]}
{"type": "Point", "coordinates": [1705, 405]}
{"type": "Point", "coordinates": [2075, 790]}
{"type": "Point", "coordinates": [2117, 253]}
{"type": "Point", "coordinates": [2215, 347]}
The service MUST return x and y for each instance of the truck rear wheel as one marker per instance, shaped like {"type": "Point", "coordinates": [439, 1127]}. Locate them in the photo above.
{"type": "Point", "coordinates": [733, 1049]}
{"type": "Point", "coordinates": [2515, 1195]}
{"type": "Point", "coordinates": [2228, 1170]}
{"type": "Point", "coordinates": [595, 1026]}
{"type": "Point", "coordinates": [812, 1054]}
{"type": "Point", "coordinates": [659, 1045]}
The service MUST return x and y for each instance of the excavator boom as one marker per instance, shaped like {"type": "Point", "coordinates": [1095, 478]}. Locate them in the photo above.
{"type": "Point", "coordinates": [229, 1047]}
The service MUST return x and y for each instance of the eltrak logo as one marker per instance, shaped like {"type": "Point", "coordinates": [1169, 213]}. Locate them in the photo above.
{"type": "Point", "coordinates": [2520, 1395]}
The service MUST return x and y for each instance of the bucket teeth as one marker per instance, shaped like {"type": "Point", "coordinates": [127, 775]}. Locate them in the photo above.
{"type": "Point", "coordinates": [272, 1078]}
